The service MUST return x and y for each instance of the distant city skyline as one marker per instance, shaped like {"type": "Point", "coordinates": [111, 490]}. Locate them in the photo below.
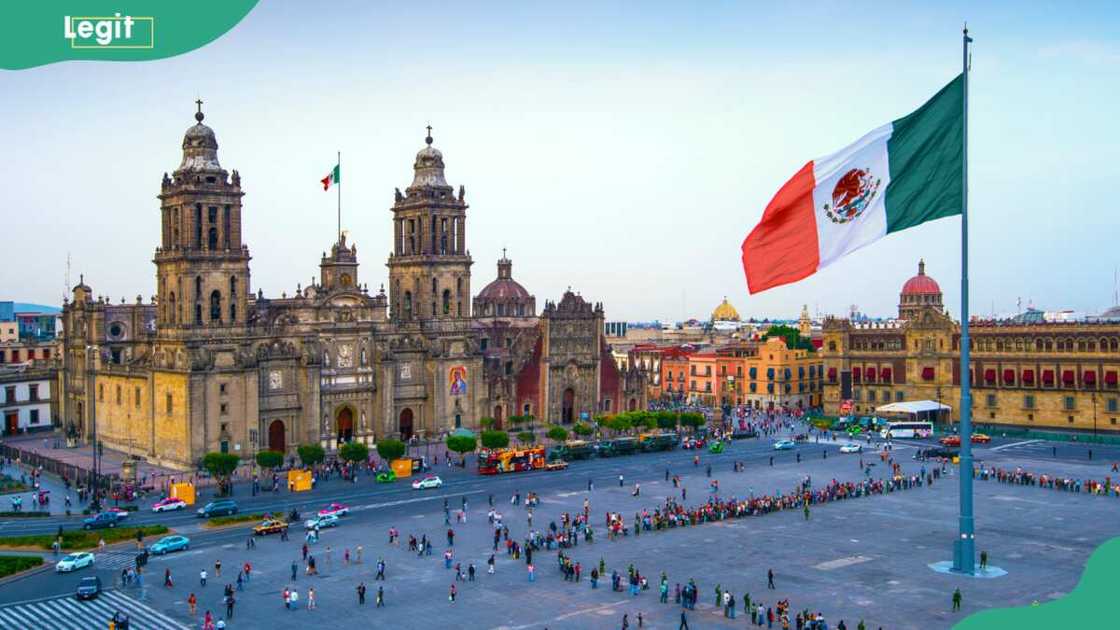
{"type": "Point", "coordinates": [624, 153]}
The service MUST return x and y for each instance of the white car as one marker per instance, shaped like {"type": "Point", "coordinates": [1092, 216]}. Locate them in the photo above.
{"type": "Point", "coordinates": [784, 445]}
{"type": "Point", "coordinates": [74, 561]}
{"type": "Point", "coordinates": [320, 522]}
{"type": "Point", "coordinates": [168, 504]}
{"type": "Point", "coordinates": [431, 481]}
{"type": "Point", "coordinates": [851, 448]}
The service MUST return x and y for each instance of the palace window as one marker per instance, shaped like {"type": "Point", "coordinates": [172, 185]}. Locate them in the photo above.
{"type": "Point", "coordinates": [1070, 403]}
{"type": "Point", "coordinates": [1028, 401]}
{"type": "Point", "coordinates": [991, 400]}
{"type": "Point", "coordinates": [1112, 405]}
{"type": "Point", "coordinates": [168, 403]}
{"type": "Point", "coordinates": [137, 397]}
{"type": "Point", "coordinates": [446, 302]}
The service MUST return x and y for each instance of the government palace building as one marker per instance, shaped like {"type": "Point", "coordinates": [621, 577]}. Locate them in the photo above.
{"type": "Point", "coordinates": [211, 364]}
{"type": "Point", "coordinates": [1025, 370]}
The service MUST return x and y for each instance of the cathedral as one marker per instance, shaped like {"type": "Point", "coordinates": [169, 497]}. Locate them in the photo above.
{"type": "Point", "coordinates": [210, 365]}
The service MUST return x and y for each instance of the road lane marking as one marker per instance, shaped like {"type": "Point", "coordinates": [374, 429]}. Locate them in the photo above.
{"type": "Point", "coordinates": [1013, 444]}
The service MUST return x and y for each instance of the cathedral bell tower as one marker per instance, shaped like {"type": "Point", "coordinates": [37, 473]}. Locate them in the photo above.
{"type": "Point", "coordinates": [202, 266]}
{"type": "Point", "coordinates": [430, 267]}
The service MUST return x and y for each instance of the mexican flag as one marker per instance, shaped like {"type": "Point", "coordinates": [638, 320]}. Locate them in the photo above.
{"type": "Point", "coordinates": [900, 175]}
{"type": "Point", "coordinates": [331, 178]}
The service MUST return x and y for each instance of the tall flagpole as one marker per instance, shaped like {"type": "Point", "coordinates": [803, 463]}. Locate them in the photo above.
{"type": "Point", "coordinates": [964, 548]}
{"type": "Point", "coordinates": [338, 185]}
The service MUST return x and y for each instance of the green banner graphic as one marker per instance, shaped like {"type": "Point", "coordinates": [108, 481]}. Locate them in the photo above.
{"type": "Point", "coordinates": [122, 30]}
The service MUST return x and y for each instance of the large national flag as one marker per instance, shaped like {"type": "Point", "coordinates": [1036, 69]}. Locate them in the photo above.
{"type": "Point", "coordinates": [900, 175]}
{"type": "Point", "coordinates": [332, 178]}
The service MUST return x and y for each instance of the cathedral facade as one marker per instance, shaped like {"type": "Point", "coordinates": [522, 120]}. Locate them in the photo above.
{"type": "Point", "coordinates": [209, 365]}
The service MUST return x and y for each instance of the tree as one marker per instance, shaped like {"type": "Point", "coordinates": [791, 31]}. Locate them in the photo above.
{"type": "Point", "coordinates": [646, 419]}
{"type": "Point", "coordinates": [792, 337]}
{"type": "Point", "coordinates": [488, 423]}
{"type": "Point", "coordinates": [270, 459]}
{"type": "Point", "coordinates": [354, 452]}
{"type": "Point", "coordinates": [311, 454]}
{"type": "Point", "coordinates": [495, 439]}
{"type": "Point", "coordinates": [220, 466]}
{"type": "Point", "coordinates": [390, 449]}
{"type": "Point", "coordinates": [527, 437]}
{"type": "Point", "coordinates": [463, 444]}
{"type": "Point", "coordinates": [692, 419]}
{"type": "Point", "coordinates": [666, 419]}
{"type": "Point", "coordinates": [582, 429]}
{"type": "Point", "coordinates": [557, 433]}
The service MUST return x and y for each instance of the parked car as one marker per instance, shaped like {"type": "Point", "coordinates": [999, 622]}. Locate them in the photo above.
{"type": "Point", "coordinates": [88, 588]}
{"type": "Point", "coordinates": [74, 561]}
{"type": "Point", "coordinates": [335, 509]}
{"type": "Point", "coordinates": [431, 481]}
{"type": "Point", "coordinates": [321, 522]}
{"type": "Point", "coordinates": [742, 434]}
{"type": "Point", "coordinates": [221, 507]}
{"type": "Point", "coordinates": [784, 445]}
{"type": "Point", "coordinates": [99, 521]}
{"type": "Point", "coordinates": [851, 448]}
{"type": "Point", "coordinates": [270, 526]}
{"type": "Point", "coordinates": [168, 504]}
{"type": "Point", "coordinates": [556, 464]}
{"type": "Point", "coordinates": [950, 440]}
{"type": "Point", "coordinates": [167, 544]}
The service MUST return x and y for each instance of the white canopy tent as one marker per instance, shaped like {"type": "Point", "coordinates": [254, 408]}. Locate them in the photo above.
{"type": "Point", "coordinates": [918, 409]}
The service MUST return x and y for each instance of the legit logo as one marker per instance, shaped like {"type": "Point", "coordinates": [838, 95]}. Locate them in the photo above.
{"type": "Point", "coordinates": [116, 31]}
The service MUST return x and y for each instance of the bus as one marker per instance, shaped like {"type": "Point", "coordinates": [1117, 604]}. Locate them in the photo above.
{"type": "Point", "coordinates": [507, 460]}
{"type": "Point", "coordinates": [907, 430]}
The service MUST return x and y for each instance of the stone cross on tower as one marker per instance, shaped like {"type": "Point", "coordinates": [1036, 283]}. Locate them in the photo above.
{"type": "Point", "coordinates": [198, 115]}
{"type": "Point", "coordinates": [428, 139]}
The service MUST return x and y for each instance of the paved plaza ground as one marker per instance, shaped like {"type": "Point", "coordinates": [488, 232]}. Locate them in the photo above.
{"type": "Point", "coordinates": [863, 558]}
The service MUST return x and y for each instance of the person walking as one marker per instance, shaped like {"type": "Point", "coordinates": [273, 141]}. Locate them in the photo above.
{"type": "Point", "coordinates": [229, 605]}
{"type": "Point", "coordinates": [295, 570]}
{"type": "Point", "coordinates": [452, 592]}
{"type": "Point", "coordinates": [380, 597]}
{"type": "Point", "coordinates": [362, 594]}
{"type": "Point", "coordinates": [770, 578]}
{"type": "Point", "coordinates": [167, 578]}
{"type": "Point", "coordinates": [983, 560]}
{"type": "Point", "coordinates": [956, 600]}
{"type": "Point", "coordinates": [218, 568]}
{"type": "Point", "coordinates": [202, 578]}
{"type": "Point", "coordinates": [192, 604]}
{"type": "Point", "coordinates": [490, 564]}
{"type": "Point", "coordinates": [684, 622]}
{"type": "Point", "coordinates": [620, 480]}
{"type": "Point", "coordinates": [311, 598]}
{"type": "Point", "coordinates": [380, 570]}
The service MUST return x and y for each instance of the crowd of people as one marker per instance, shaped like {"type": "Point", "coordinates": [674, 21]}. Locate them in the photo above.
{"type": "Point", "coordinates": [1017, 476]}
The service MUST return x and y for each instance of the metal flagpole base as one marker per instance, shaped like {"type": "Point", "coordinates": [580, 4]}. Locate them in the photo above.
{"type": "Point", "coordinates": [964, 552]}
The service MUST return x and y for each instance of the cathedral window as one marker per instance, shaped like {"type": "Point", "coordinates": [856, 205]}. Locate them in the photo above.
{"type": "Point", "coordinates": [408, 304]}
{"type": "Point", "coordinates": [443, 236]}
{"type": "Point", "coordinates": [212, 239]}
{"type": "Point", "coordinates": [433, 308]}
{"type": "Point", "coordinates": [198, 314]}
{"type": "Point", "coordinates": [459, 309]}
{"type": "Point", "coordinates": [215, 306]}
{"type": "Point", "coordinates": [446, 302]}
{"type": "Point", "coordinates": [483, 343]}
{"type": "Point", "coordinates": [233, 298]}
{"type": "Point", "coordinates": [171, 305]}
{"type": "Point", "coordinates": [197, 288]}
{"type": "Point", "coordinates": [168, 403]}
{"type": "Point", "coordinates": [225, 226]}
{"type": "Point", "coordinates": [501, 310]}
{"type": "Point", "coordinates": [198, 225]}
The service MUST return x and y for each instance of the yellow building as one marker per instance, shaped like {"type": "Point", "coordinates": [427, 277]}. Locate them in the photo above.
{"type": "Point", "coordinates": [1025, 371]}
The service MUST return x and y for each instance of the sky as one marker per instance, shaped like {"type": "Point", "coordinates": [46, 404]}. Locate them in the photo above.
{"type": "Point", "coordinates": [622, 149]}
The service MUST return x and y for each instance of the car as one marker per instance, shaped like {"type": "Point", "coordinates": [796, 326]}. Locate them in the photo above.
{"type": "Point", "coordinates": [693, 443]}
{"type": "Point", "coordinates": [335, 509]}
{"type": "Point", "coordinates": [556, 464]}
{"type": "Point", "coordinates": [743, 434]}
{"type": "Point", "coordinates": [88, 588]}
{"type": "Point", "coordinates": [716, 447]}
{"type": "Point", "coordinates": [320, 522]}
{"type": "Point", "coordinates": [386, 476]}
{"type": "Point", "coordinates": [784, 445]}
{"type": "Point", "coordinates": [950, 440]}
{"type": "Point", "coordinates": [270, 526]}
{"type": "Point", "coordinates": [981, 438]}
{"type": "Point", "coordinates": [801, 437]}
{"type": "Point", "coordinates": [221, 507]}
{"type": "Point", "coordinates": [119, 511]}
{"type": "Point", "coordinates": [168, 504]}
{"type": "Point", "coordinates": [431, 481]}
{"type": "Point", "coordinates": [167, 544]}
{"type": "Point", "coordinates": [74, 561]}
{"type": "Point", "coordinates": [99, 521]}
{"type": "Point", "coordinates": [936, 452]}
{"type": "Point", "coordinates": [851, 448]}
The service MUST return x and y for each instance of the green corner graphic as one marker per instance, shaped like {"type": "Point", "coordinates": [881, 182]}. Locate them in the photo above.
{"type": "Point", "coordinates": [1087, 606]}
{"type": "Point", "coordinates": [123, 30]}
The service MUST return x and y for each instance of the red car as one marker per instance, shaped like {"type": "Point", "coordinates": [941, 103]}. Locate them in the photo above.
{"type": "Point", "coordinates": [335, 509]}
{"type": "Point", "coordinates": [690, 443]}
{"type": "Point", "coordinates": [955, 440]}
{"type": "Point", "coordinates": [170, 503]}
{"type": "Point", "coordinates": [120, 512]}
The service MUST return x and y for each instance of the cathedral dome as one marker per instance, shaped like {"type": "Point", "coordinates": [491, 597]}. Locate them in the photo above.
{"type": "Point", "coordinates": [502, 289]}
{"type": "Point", "coordinates": [428, 166]}
{"type": "Point", "coordinates": [504, 296]}
{"type": "Point", "coordinates": [200, 146]}
{"type": "Point", "coordinates": [725, 312]}
{"type": "Point", "coordinates": [921, 284]}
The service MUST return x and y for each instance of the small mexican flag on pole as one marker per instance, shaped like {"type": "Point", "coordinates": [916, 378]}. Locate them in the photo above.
{"type": "Point", "coordinates": [331, 178]}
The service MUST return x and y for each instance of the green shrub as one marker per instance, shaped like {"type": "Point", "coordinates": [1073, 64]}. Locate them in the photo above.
{"type": "Point", "coordinates": [495, 439]}
{"type": "Point", "coordinates": [14, 564]}
{"type": "Point", "coordinates": [390, 449]}
{"type": "Point", "coordinates": [80, 539]}
{"type": "Point", "coordinates": [218, 521]}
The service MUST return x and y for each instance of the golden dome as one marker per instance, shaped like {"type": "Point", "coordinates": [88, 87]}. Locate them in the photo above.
{"type": "Point", "coordinates": [725, 312]}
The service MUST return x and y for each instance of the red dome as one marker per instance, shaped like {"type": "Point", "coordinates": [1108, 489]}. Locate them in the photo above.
{"type": "Point", "coordinates": [502, 289]}
{"type": "Point", "coordinates": [921, 284]}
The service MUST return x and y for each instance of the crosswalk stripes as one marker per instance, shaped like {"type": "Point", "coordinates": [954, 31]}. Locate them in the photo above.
{"type": "Point", "coordinates": [115, 560]}
{"type": "Point", "coordinates": [67, 613]}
